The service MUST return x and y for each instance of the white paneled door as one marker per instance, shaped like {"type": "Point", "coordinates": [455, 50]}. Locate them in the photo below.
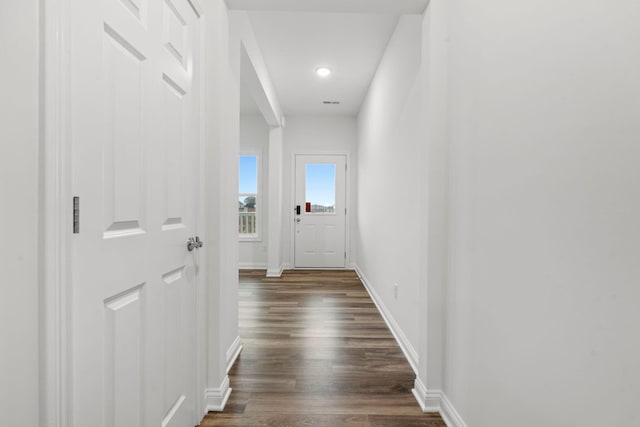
{"type": "Point", "coordinates": [320, 211]}
{"type": "Point", "coordinates": [134, 138]}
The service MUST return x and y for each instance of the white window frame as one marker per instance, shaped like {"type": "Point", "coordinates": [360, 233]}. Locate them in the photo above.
{"type": "Point", "coordinates": [257, 236]}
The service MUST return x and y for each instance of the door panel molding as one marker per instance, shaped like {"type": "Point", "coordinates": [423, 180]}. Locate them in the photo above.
{"type": "Point", "coordinates": [123, 327]}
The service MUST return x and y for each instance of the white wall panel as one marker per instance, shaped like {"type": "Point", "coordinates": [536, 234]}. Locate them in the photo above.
{"type": "Point", "coordinates": [391, 176]}
{"type": "Point", "coordinates": [173, 135]}
{"type": "Point", "coordinates": [123, 359]}
{"type": "Point", "coordinates": [124, 184]}
{"type": "Point", "coordinates": [176, 343]}
{"type": "Point", "coordinates": [19, 236]}
{"type": "Point", "coordinates": [545, 203]}
{"type": "Point", "coordinates": [175, 32]}
{"type": "Point", "coordinates": [321, 135]}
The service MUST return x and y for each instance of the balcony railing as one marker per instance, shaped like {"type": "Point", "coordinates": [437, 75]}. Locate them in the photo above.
{"type": "Point", "coordinates": [247, 223]}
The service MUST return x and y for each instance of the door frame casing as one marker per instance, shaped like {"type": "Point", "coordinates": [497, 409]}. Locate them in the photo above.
{"type": "Point", "coordinates": [55, 212]}
{"type": "Point", "coordinates": [348, 205]}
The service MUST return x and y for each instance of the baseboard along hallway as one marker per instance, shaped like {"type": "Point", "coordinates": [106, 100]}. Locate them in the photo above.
{"type": "Point", "coordinates": [316, 352]}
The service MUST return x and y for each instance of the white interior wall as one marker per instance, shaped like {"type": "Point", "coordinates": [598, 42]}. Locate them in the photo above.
{"type": "Point", "coordinates": [242, 33]}
{"type": "Point", "coordinates": [434, 205]}
{"type": "Point", "coordinates": [317, 134]}
{"type": "Point", "coordinates": [254, 139]}
{"type": "Point", "coordinates": [248, 65]}
{"type": "Point", "coordinates": [390, 180]}
{"type": "Point", "coordinates": [528, 149]}
{"type": "Point", "coordinates": [220, 166]}
{"type": "Point", "coordinates": [232, 33]}
{"type": "Point", "coordinates": [19, 139]}
{"type": "Point", "coordinates": [543, 289]}
{"type": "Point", "coordinates": [274, 245]}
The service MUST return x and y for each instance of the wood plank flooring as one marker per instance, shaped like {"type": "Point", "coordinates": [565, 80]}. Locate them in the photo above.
{"type": "Point", "coordinates": [317, 354]}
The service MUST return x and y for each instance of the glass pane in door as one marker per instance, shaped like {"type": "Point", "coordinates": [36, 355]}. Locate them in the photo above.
{"type": "Point", "coordinates": [320, 188]}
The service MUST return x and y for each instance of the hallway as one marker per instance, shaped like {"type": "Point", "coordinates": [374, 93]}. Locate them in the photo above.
{"type": "Point", "coordinates": [475, 163]}
{"type": "Point", "coordinates": [316, 353]}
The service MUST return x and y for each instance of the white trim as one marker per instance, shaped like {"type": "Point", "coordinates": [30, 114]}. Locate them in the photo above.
{"type": "Point", "coordinates": [197, 7]}
{"type": "Point", "coordinates": [429, 400]}
{"type": "Point", "coordinates": [249, 238]}
{"type": "Point", "coordinates": [233, 352]}
{"type": "Point", "coordinates": [215, 399]}
{"type": "Point", "coordinates": [55, 212]}
{"type": "Point", "coordinates": [276, 272]}
{"type": "Point", "coordinates": [252, 265]}
{"type": "Point", "coordinates": [449, 414]}
{"type": "Point", "coordinates": [201, 282]}
{"type": "Point", "coordinates": [437, 401]}
{"type": "Point", "coordinates": [419, 391]}
{"type": "Point", "coordinates": [409, 351]}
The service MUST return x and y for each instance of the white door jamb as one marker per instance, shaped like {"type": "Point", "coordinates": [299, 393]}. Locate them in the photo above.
{"type": "Point", "coordinates": [55, 216]}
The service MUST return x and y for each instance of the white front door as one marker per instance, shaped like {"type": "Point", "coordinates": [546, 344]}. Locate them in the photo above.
{"type": "Point", "coordinates": [135, 142]}
{"type": "Point", "coordinates": [320, 224]}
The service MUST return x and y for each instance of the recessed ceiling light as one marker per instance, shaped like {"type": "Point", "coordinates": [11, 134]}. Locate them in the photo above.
{"type": "Point", "coordinates": [323, 71]}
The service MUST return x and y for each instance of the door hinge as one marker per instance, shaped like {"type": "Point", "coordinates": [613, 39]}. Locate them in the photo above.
{"type": "Point", "coordinates": [345, 211]}
{"type": "Point", "coordinates": [345, 254]}
{"type": "Point", "coordinates": [76, 215]}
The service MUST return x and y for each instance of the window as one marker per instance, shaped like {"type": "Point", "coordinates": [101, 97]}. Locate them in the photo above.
{"type": "Point", "coordinates": [248, 201]}
{"type": "Point", "coordinates": [320, 188]}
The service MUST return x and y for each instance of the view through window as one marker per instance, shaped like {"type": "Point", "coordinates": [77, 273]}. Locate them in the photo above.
{"type": "Point", "coordinates": [248, 197]}
{"type": "Point", "coordinates": [320, 187]}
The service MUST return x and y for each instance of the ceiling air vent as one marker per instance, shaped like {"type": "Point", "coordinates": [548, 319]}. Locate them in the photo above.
{"type": "Point", "coordinates": [331, 102]}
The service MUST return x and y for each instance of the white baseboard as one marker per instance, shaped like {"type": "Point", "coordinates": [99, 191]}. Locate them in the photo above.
{"type": "Point", "coordinates": [274, 272]}
{"type": "Point", "coordinates": [215, 399]}
{"type": "Point", "coordinates": [429, 400]}
{"type": "Point", "coordinates": [233, 352]}
{"type": "Point", "coordinates": [409, 351]}
{"type": "Point", "coordinates": [450, 415]}
{"type": "Point", "coordinates": [252, 266]}
{"type": "Point", "coordinates": [277, 272]}
{"type": "Point", "coordinates": [437, 401]}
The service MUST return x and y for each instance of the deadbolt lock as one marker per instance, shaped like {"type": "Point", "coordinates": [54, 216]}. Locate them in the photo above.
{"type": "Point", "coordinates": [194, 243]}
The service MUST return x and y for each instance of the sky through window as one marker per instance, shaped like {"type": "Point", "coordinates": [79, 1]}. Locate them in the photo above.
{"type": "Point", "coordinates": [248, 175]}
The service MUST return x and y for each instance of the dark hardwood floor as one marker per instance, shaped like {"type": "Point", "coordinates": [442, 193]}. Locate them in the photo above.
{"type": "Point", "coordinates": [317, 353]}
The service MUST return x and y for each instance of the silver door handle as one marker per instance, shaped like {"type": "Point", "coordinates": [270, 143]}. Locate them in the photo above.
{"type": "Point", "coordinates": [194, 243]}
{"type": "Point", "coordinates": [298, 219]}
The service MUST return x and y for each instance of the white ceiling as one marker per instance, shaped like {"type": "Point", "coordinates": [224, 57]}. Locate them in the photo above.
{"type": "Point", "coordinates": [340, 6]}
{"type": "Point", "coordinates": [297, 36]}
{"type": "Point", "coordinates": [294, 44]}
